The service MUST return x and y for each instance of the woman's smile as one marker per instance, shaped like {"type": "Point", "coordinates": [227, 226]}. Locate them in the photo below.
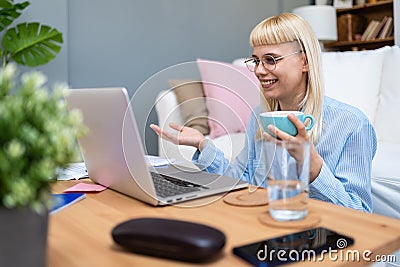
{"type": "Point", "coordinates": [268, 83]}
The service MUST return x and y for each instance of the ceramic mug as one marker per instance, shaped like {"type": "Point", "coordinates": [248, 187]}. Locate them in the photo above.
{"type": "Point", "coordinates": [280, 120]}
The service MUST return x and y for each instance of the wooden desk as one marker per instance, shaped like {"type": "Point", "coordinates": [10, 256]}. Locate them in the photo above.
{"type": "Point", "coordinates": [80, 235]}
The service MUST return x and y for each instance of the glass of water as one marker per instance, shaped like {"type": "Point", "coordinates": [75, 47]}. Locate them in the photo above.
{"type": "Point", "coordinates": [288, 166]}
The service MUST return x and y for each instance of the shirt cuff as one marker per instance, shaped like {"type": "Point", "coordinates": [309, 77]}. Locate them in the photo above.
{"type": "Point", "coordinates": [321, 188]}
{"type": "Point", "coordinates": [208, 157]}
{"type": "Point", "coordinates": [204, 158]}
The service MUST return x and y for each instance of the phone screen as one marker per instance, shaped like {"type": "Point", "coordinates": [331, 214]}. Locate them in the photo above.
{"type": "Point", "coordinates": [309, 245]}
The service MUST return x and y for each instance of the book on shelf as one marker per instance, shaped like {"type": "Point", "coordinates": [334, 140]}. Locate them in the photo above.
{"type": "Point", "coordinates": [373, 24]}
{"type": "Point", "coordinates": [378, 28]}
{"type": "Point", "coordinates": [348, 26]}
{"type": "Point", "coordinates": [387, 29]}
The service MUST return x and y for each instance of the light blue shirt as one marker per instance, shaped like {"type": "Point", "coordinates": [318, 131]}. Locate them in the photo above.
{"type": "Point", "coordinates": [347, 145]}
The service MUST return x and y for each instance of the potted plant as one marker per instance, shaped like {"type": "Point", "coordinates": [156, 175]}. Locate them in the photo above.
{"type": "Point", "coordinates": [37, 137]}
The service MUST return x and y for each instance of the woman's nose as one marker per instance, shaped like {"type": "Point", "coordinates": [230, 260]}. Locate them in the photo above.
{"type": "Point", "coordinates": [260, 69]}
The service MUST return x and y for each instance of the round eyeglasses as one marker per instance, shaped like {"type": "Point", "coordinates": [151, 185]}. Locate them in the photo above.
{"type": "Point", "coordinates": [268, 61]}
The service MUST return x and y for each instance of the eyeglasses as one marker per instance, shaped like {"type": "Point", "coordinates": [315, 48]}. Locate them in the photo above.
{"type": "Point", "coordinates": [268, 61]}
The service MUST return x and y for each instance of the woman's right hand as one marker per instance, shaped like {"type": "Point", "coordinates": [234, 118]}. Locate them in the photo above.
{"type": "Point", "coordinates": [186, 135]}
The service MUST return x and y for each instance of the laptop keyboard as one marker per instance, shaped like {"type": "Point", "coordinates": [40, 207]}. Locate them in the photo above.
{"type": "Point", "coordinates": [167, 186]}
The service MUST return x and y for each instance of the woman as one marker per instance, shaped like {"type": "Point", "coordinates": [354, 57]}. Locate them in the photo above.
{"type": "Point", "coordinates": [286, 59]}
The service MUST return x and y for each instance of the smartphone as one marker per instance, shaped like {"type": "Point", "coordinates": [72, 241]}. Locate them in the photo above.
{"type": "Point", "coordinates": [311, 245]}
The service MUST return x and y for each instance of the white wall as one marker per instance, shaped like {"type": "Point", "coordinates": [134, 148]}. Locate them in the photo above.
{"type": "Point", "coordinates": [288, 5]}
{"type": "Point", "coordinates": [55, 14]}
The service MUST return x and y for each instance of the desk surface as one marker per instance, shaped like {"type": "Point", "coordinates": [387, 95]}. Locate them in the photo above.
{"type": "Point", "coordinates": [80, 235]}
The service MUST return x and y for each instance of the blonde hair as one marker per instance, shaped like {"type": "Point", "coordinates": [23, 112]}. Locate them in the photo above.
{"type": "Point", "coordinates": [286, 28]}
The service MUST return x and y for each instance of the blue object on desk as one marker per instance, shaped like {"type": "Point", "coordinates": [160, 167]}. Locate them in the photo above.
{"type": "Point", "coordinates": [61, 201]}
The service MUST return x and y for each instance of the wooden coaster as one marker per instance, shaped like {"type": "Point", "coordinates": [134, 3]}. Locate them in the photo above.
{"type": "Point", "coordinates": [247, 198]}
{"type": "Point", "coordinates": [309, 221]}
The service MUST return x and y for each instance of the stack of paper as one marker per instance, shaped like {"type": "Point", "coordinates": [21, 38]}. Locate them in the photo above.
{"type": "Point", "coordinates": [73, 171]}
{"type": "Point", "coordinates": [156, 161]}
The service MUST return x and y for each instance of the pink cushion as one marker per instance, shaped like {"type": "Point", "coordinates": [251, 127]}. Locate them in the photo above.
{"type": "Point", "coordinates": [231, 93]}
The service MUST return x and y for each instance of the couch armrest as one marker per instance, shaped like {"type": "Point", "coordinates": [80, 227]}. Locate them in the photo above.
{"type": "Point", "coordinates": [167, 108]}
{"type": "Point", "coordinates": [167, 111]}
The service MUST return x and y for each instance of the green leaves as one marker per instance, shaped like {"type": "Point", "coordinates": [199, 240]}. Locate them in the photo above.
{"type": "Point", "coordinates": [32, 44]}
{"type": "Point", "coordinates": [38, 136]}
{"type": "Point", "coordinates": [9, 12]}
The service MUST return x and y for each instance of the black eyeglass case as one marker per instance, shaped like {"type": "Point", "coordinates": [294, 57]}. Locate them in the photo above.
{"type": "Point", "coordinates": [173, 239]}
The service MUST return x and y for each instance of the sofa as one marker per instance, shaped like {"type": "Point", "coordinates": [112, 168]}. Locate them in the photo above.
{"type": "Point", "coordinates": [369, 80]}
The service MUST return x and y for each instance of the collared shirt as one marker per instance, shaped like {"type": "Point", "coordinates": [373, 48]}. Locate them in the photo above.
{"type": "Point", "coordinates": [347, 145]}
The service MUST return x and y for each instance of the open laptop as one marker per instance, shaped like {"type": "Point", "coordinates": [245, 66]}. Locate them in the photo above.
{"type": "Point", "coordinates": [114, 154]}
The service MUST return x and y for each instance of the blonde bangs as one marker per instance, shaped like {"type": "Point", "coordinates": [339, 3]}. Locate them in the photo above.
{"type": "Point", "coordinates": [273, 30]}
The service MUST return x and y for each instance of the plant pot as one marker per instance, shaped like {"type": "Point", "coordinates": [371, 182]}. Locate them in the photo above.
{"type": "Point", "coordinates": [23, 238]}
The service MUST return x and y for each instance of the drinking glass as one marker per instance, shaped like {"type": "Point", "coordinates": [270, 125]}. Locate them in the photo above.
{"type": "Point", "coordinates": [288, 166]}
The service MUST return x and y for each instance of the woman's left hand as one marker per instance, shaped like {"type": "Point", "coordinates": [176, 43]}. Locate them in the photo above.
{"type": "Point", "coordinates": [316, 160]}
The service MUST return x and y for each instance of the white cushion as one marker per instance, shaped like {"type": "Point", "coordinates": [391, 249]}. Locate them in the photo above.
{"type": "Point", "coordinates": [354, 77]}
{"type": "Point", "coordinates": [387, 116]}
{"type": "Point", "coordinates": [385, 197]}
{"type": "Point", "coordinates": [230, 144]}
{"type": "Point", "coordinates": [386, 162]}
{"type": "Point", "coordinates": [385, 182]}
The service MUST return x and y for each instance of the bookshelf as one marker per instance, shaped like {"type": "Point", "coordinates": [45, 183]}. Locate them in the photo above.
{"type": "Point", "coordinates": [352, 23]}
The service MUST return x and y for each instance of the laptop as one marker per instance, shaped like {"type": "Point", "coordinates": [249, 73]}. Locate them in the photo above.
{"type": "Point", "coordinates": [114, 156]}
